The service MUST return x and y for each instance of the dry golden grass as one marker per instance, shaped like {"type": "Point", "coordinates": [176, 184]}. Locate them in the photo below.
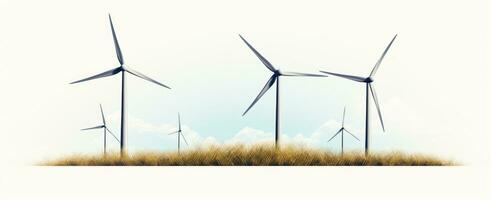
{"type": "Point", "coordinates": [259, 155]}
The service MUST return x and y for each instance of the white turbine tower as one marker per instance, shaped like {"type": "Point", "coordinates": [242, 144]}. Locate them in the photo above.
{"type": "Point", "coordinates": [274, 78]}
{"type": "Point", "coordinates": [104, 127]}
{"type": "Point", "coordinates": [123, 68]}
{"type": "Point", "coordinates": [369, 89]}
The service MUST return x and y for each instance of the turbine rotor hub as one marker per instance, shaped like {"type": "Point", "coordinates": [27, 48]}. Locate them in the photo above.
{"type": "Point", "coordinates": [369, 80]}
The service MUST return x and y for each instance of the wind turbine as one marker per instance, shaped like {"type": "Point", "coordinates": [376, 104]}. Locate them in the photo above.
{"type": "Point", "coordinates": [341, 130]}
{"type": "Point", "coordinates": [369, 89]}
{"type": "Point", "coordinates": [179, 134]}
{"type": "Point", "coordinates": [104, 127]}
{"type": "Point", "coordinates": [123, 68]}
{"type": "Point", "coordinates": [274, 78]}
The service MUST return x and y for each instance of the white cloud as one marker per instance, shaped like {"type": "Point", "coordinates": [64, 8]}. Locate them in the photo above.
{"type": "Point", "coordinates": [250, 135]}
{"type": "Point", "coordinates": [142, 129]}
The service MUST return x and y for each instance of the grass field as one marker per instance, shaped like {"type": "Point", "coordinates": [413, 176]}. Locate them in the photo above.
{"type": "Point", "coordinates": [259, 155]}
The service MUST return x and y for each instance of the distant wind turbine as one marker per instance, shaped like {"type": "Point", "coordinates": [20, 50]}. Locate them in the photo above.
{"type": "Point", "coordinates": [341, 130]}
{"type": "Point", "coordinates": [368, 81]}
{"type": "Point", "coordinates": [122, 68]}
{"type": "Point", "coordinates": [274, 78]}
{"type": "Point", "coordinates": [104, 127]}
{"type": "Point", "coordinates": [179, 134]}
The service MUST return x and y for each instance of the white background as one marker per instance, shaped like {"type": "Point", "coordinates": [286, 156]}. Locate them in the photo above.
{"type": "Point", "coordinates": [442, 71]}
{"type": "Point", "coordinates": [247, 182]}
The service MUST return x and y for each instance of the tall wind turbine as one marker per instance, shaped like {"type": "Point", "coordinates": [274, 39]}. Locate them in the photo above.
{"type": "Point", "coordinates": [122, 68]}
{"type": "Point", "coordinates": [342, 130]}
{"type": "Point", "coordinates": [274, 78]}
{"type": "Point", "coordinates": [369, 89]}
{"type": "Point", "coordinates": [179, 134]}
{"type": "Point", "coordinates": [104, 127]}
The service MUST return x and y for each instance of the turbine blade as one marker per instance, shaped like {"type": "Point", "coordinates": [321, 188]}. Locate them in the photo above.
{"type": "Point", "coordinates": [173, 133]}
{"type": "Point", "coordinates": [353, 78]}
{"type": "Point", "coordinates": [352, 134]}
{"type": "Point", "coordinates": [113, 135]}
{"type": "Point", "coordinates": [344, 112]}
{"type": "Point", "coordinates": [302, 74]}
{"type": "Point", "coordinates": [116, 43]}
{"type": "Point", "coordinates": [179, 120]}
{"type": "Point", "coordinates": [102, 113]}
{"type": "Point", "coordinates": [95, 127]}
{"type": "Point", "coordinates": [335, 135]}
{"type": "Point", "coordinates": [375, 68]}
{"type": "Point", "coordinates": [375, 99]}
{"type": "Point", "coordinates": [264, 90]}
{"type": "Point", "coordinates": [101, 75]}
{"type": "Point", "coordinates": [261, 58]}
{"type": "Point", "coordinates": [184, 139]}
{"type": "Point", "coordinates": [138, 74]}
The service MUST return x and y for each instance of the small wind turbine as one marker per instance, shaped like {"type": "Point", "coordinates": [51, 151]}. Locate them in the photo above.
{"type": "Point", "coordinates": [341, 130]}
{"type": "Point", "coordinates": [104, 127]}
{"type": "Point", "coordinates": [368, 81]}
{"type": "Point", "coordinates": [179, 134]}
{"type": "Point", "coordinates": [122, 68]}
{"type": "Point", "coordinates": [274, 78]}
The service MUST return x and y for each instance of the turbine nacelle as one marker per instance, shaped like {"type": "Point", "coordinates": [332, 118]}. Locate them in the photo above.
{"type": "Point", "coordinates": [368, 80]}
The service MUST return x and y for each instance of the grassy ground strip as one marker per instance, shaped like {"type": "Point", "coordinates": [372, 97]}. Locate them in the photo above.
{"type": "Point", "coordinates": [260, 155]}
